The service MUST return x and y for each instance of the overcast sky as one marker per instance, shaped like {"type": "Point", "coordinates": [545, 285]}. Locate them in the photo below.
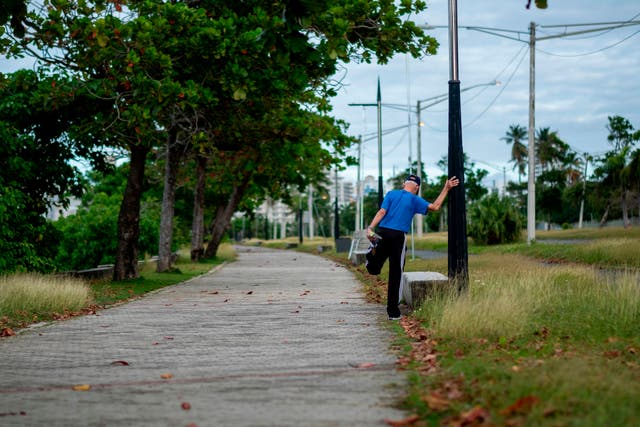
{"type": "Point", "coordinates": [579, 80]}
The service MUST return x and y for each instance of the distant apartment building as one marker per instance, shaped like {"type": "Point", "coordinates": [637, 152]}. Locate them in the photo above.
{"type": "Point", "coordinates": [346, 190]}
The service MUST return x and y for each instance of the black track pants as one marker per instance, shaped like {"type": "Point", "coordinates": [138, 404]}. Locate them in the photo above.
{"type": "Point", "coordinates": [393, 246]}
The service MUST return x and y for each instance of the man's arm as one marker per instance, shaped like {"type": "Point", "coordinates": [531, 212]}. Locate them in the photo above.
{"type": "Point", "coordinates": [448, 185]}
{"type": "Point", "coordinates": [376, 219]}
{"type": "Point", "coordinates": [374, 223]}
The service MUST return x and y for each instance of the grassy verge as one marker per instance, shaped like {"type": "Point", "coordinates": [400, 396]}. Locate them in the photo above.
{"type": "Point", "coordinates": [546, 336]}
{"type": "Point", "coordinates": [26, 299]}
{"type": "Point", "coordinates": [602, 252]}
{"type": "Point", "coordinates": [532, 345]}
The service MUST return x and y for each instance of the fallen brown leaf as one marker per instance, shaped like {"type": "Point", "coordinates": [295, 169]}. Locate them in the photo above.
{"type": "Point", "coordinates": [436, 402]}
{"type": "Point", "coordinates": [7, 332]}
{"type": "Point", "coordinates": [475, 417]}
{"type": "Point", "coordinates": [364, 365]}
{"type": "Point", "coordinates": [520, 406]}
{"type": "Point", "coordinates": [452, 389]}
{"type": "Point", "coordinates": [166, 376]}
{"type": "Point", "coordinates": [612, 354]}
{"type": "Point", "coordinates": [120, 362]}
{"type": "Point", "coordinates": [82, 387]}
{"type": "Point", "coordinates": [410, 420]}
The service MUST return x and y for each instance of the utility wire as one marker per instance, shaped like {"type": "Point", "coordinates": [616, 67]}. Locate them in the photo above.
{"type": "Point", "coordinates": [604, 31]}
{"type": "Point", "coordinates": [588, 53]}
{"type": "Point", "coordinates": [522, 53]}
{"type": "Point", "coordinates": [495, 98]}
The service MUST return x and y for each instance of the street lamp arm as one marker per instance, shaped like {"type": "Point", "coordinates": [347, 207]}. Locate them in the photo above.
{"type": "Point", "coordinates": [441, 98]}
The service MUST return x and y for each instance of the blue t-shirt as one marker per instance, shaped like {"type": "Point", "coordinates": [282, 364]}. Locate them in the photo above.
{"type": "Point", "coordinates": [400, 206]}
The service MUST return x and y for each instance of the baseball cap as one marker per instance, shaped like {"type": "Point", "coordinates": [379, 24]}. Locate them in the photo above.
{"type": "Point", "coordinates": [414, 178]}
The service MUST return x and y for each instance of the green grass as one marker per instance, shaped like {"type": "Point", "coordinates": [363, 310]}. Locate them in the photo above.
{"type": "Point", "coordinates": [590, 233]}
{"type": "Point", "coordinates": [565, 335]}
{"type": "Point", "coordinates": [604, 252]}
{"type": "Point", "coordinates": [25, 299]}
{"type": "Point", "coordinates": [548, 334]}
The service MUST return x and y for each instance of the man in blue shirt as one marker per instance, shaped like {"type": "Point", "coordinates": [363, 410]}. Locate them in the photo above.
{"type": "Point", "coordinates": [394, 222]}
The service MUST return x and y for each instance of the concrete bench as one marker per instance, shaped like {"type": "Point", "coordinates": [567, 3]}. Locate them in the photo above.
{"type": "Point", "coordinates": [417, 286]}
{"type": "Point", "coordinates": [359, 247]}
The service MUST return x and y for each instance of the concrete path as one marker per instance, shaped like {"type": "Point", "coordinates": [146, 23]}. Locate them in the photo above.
{"type": "Point", "coordinates": [277, 338]}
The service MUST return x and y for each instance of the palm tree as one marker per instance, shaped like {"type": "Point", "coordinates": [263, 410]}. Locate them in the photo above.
{"type": "Point", "coordinates": [551, 150]}
{"type": "Point", "coordinates": [573, 167]}
{"type": "Point", "coordinates": [515, 135]}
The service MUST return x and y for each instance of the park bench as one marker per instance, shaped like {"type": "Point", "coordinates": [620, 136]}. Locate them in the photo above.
{"type": "Point", "coordinates": [418, 286]}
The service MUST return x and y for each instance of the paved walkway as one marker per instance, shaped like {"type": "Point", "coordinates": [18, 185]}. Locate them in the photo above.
{"type": "Point", "coordinates": [277, 338]}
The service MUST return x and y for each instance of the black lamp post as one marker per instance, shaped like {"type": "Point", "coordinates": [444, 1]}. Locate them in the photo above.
{"type": "Point", "coordinates": [457, 215]}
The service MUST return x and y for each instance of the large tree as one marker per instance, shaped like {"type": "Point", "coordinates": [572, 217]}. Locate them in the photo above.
{"type": "Point", "coordinates": [36, 175]}
{"type": "Point", "coordinates": [13, 12]}
{"type": "Point", "coordinates": [617, 171]}
{"type": "Point", "coordinates": [204, 71]}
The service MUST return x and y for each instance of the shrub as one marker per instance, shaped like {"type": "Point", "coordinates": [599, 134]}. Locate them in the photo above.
{"type": "Point", "coordinates": [494, 220]}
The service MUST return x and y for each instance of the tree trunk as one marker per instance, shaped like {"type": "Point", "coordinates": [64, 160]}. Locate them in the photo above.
{"type": "Point", "coordinates": [126, 265]}
{"type": "Point", "coordinates": [625, 210]}
{"type": "Point", "coordinates": [223, 218]}
{"type": "Point", "coordinates": [168, 202]}
{"type": "Point", "coordinates": [603, 220]}
{"type": "Point", "coordinates": [197, 226]}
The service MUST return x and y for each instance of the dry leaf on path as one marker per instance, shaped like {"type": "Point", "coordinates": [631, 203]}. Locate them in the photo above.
{"type": "Point", "coordinates": [82, 387]}
{"type": "Point", "coordinates": [364, 365]}
{"type": "Point", "coordinates": [7, 332]}
{"type": "Point", "coordinates": [410, 420]}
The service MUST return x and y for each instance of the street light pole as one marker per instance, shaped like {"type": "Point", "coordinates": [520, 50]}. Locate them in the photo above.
{"type": "Point", "coordinates": [419, 107]}
{"type": "Point", "coordinates": [457, 217]}
{"type": "Point", "coordinates": [379, 105]}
